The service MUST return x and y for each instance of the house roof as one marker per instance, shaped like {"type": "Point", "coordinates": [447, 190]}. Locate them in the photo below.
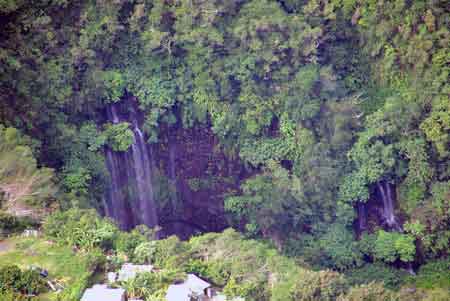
{"type": "Point", "coordinates": [196, 284]}
{"type": "Point", "coordinates": [102, 292]}
{"type": "Point", "coordinates": [178, 292]}
{"type": "Point", "coordinates": [129, 271]}
{"type": "Point", "coordinates": [182, 292]}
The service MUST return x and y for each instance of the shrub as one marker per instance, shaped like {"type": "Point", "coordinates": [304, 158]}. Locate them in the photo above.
{"type": "Point", "coordinates": [126, 242]}
{"type": "Point", "coordinates": [373, 291]}
{"type": "Point", "coordinates": [376, 272]}
{"type": "Point", "coordinates": [322, 285]}
{"type": "Point", "coordinates": [75, 291]}
{"type": "Point", "coordinates": [144, 252]}
{"type": "Point", "coordinates": [11, 224]}
{"type": "Point", "coordinates": [12, 296]}
{"type": "Point", "coordinates": [83, 229]}
{"type": "Point", "coordinates": [152, 284]}
{"type": "Point", "coordinates": [389, 246]}
{"type": "Point", "coordinates": [95, 259]}
{"type": "Point", "coordinates": [170, 253]}
{"type": "Point", "coordinates": [434, 274]}
{"type": "Point", "coordinates": [12, 279]}
{"type": "Point", "coordinates": [340, 249]}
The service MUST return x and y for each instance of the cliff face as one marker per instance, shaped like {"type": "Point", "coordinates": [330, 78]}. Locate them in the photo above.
{"type": "Point", "coordinates": [195, 175]}
{"type": "Point", "coordinates": [178, 183]}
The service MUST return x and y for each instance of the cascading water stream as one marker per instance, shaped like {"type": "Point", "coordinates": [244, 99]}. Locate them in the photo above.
{"type": "Point", "coordinates": [143, 179]}
{"type": "Point", "coordinates": [388, 206]}
{"type": "Point", "coordinates": [389, 214]}
{"type": "Point", "coordinates": [130, 199]}
{"type": "Point", "coordinates": [172, 173]}
{"type": "Point", "coordinates": [362, 216]}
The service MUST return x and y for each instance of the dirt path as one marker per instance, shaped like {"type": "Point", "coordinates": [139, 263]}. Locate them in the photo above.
{"type": "Point", "coordinates": [5, 246]}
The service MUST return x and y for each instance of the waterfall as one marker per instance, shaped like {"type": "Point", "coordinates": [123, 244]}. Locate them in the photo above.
{"type": "Point", "coordinates": [130, 197]}
{"type": "Point", "coordinates": [389, 215]}
{"type": "Point", "coordinates": [362, 216]}
{"type": "Point", "coordinates": [172, 173]}
{"type": "Point", "coordinates": [388, 206]}
{"type": "Point", "coordinates": [144, 189]}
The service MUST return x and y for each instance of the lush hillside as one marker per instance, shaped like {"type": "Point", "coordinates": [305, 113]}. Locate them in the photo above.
{"type": "Point", "coordinates": [321, 127]}
{"type": "Point", "coordinates": [78, 248]}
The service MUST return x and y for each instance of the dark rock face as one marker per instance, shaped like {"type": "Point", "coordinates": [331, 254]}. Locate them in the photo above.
{"type": "Point", "coordinates": [199, 175]}
{"type": "Point", "coordinates": [379, 209]}
{"type": "Point", "coordinates": [178, 183]}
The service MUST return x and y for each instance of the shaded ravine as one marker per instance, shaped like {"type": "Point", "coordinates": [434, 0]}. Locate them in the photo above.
{"type": "Point", "coordinates": [387, 214]}
{"type": "Point", "coordinates": [130, 197]}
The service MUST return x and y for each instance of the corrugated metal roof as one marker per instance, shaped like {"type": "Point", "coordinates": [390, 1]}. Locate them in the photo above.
{"type": "Point", "coordinates": [129, 271]}
{"type": "Point", "coordinates": [193, 286]}
{"type": "Point", "coordinates": [102, 292]}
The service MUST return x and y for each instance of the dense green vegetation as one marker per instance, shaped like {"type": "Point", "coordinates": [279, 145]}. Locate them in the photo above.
{"type": "Point", "coordinates": [320, 101]}
{"type": "Point", "coordinates": [76, 241]}
{"type": "Point", "coordinates": [221, 258]}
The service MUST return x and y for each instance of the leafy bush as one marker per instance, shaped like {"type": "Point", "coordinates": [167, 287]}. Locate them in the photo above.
{"type": "Point", "coordinates": [12, 296]}
{"type": "Point", "coordinates": [389, 246]}
{"type": "Point", "coordinates": [126, 242]}
{"type": "Point", "coordinates": [119, 136]}
{"type": "Point", "coordinates": [368, 292]}
{"type": "Point", "coordinates": [152, 285]}
{"type": "Point", "coordinates": [21, 178]}
{"type": "Point", "coordinates": [10, 223]}
{"type": "Point", "coordinates": [12, 279]}
{"type": "Point", "coordinates": [83, 229]}
{"type": "Point", "coordinates": [75, 291]}
{"type": "Point", "coordinates": [144, 252]}
{"type": "Point", "coordinates": [435, 274]}
{"type": "Point", "coordinates": [170, 253]}
{"type": "Point", "coordinates": [376, 272]}
{"type": "Point", "coordinates": [322, 285]}
{"type": "Point", "coordinates": [339, 247]}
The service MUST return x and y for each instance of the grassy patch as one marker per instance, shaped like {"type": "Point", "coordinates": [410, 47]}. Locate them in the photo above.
{"type": "Point", "coordinates": [61, 262]}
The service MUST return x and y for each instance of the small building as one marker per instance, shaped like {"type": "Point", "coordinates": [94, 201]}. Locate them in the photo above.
{"type": "Point", "coordinates": [111, 277]}
{"type": "Point", "coordinates": [193, 288]}
{"type": "Point", "coordinates": [102, 292]}
{"type": "Point", "coordinates": [30, 233]}
{"type": "Point", "coordinates": [129, 271]}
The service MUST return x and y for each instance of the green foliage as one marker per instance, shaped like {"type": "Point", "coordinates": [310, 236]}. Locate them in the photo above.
{"type": "Point", "coordinates": [12, 296]}
{"type": "Point", "coordinates": [126, 242]}
{"type": "Point", "coordinates": [340, 249]}
{"type": "Point", "coordinates": [441, 197]}
{"type": "Point", "coordinates": [392, 278]}
{"type": "Point", "coordinates": [152, 286]}
{"type": "Point", "coordinates": [323, 285]}
{"type": "Point", "coordinates": [13, 224]}
{"type": "Point", "coordinates": [21, 179]}
{"type": "Point", "coordinates": [114, 84]}
{"type": "Point", "coordinates": [434, 274]}
{"type": "Point", "coordinates": [83, 229]}
{"type": "Point", "coordinates": [322, 100]}
{"type": "Point", "coordinates": [24, 282]}
{"type": "Point", "coordinates": [368, 292]}
{"type": "Point", "coordinates": [76, 290]}
{"type": "Point", "coordinates": [389, 246]}
{"type": "Point", "coordinates": [144, 252]}
{"type": "Point", "coordinates": [90, 135]}
{"type": "Point", "coordinates": [119, 136]}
